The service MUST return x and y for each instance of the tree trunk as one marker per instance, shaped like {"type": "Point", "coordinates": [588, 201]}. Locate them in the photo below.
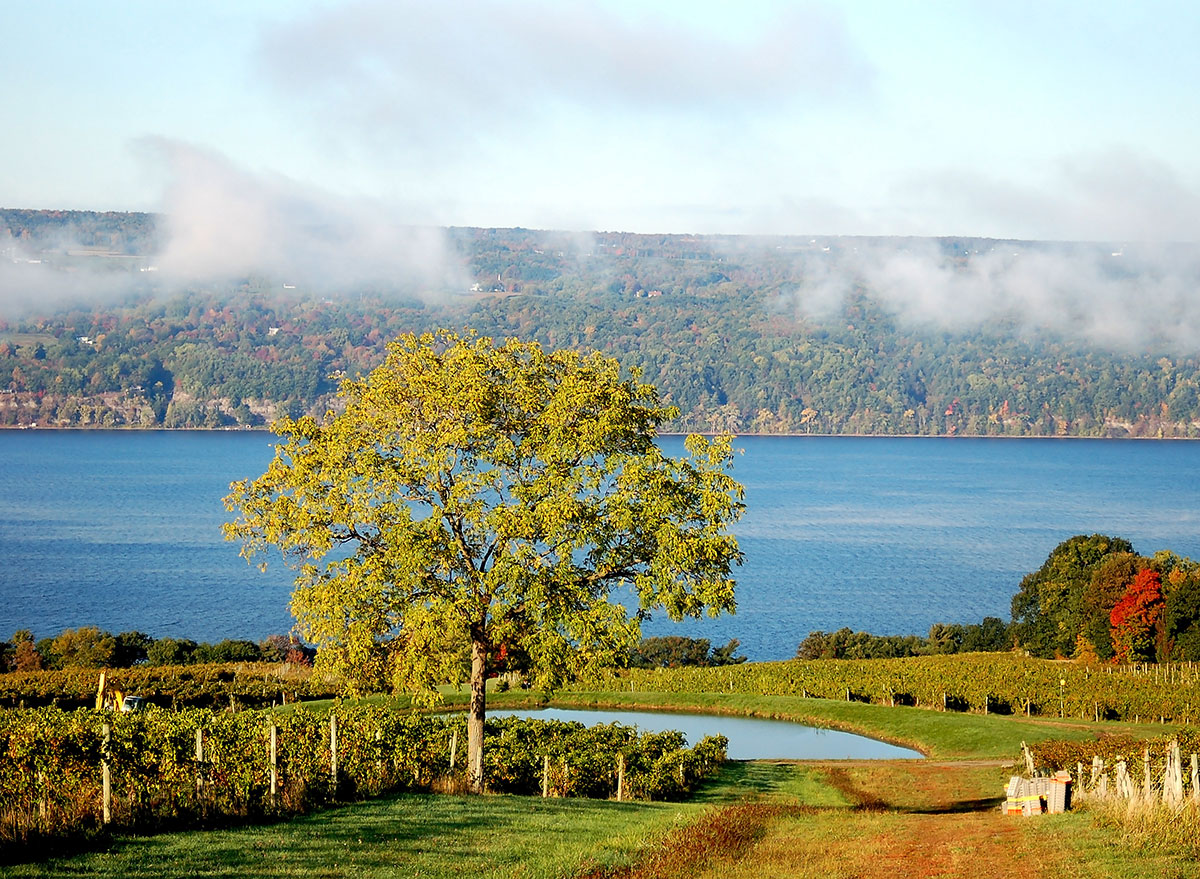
{"type": "Point", "coordinates": [475, 716]}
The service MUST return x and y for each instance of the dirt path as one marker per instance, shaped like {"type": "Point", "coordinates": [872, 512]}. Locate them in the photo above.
{"type": "Point", "coordinates": [903, 820]}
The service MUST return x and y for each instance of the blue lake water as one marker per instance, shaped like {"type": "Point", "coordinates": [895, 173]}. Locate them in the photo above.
{"type": "Point", "coordinates": [750, 738]}
{"type": "Point", "coordinates": [122, 530]}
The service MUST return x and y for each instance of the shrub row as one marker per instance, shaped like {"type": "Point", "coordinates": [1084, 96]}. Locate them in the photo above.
{"type": "Point", "coordinates": [51, 763]}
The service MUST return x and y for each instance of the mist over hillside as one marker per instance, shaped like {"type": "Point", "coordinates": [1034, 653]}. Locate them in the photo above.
{"type": "Point", "coordinates": [111, 319]}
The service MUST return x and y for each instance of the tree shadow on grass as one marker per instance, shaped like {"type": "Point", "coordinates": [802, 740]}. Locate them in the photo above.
{"type": "Point", "coordinates": [171, 833]}
{"type": "Point", "coordinates": [960, 807]}
{"type": "Point", "coordinates": [865, 800]}
{"type": "Point", "coordinates": [739, 779]}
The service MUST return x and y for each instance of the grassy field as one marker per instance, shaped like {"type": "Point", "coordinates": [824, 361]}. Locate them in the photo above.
{"type": "Point", "coordinates": [937, 817]}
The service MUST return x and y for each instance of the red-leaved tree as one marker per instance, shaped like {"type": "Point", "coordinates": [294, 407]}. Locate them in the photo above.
{"type": "Point", "coordinates": [1135, 618]}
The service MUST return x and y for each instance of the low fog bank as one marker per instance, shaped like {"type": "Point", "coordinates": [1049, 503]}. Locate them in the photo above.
{"type": "Point", "coordinates": [1121, 297]}
{"type": "Point", "coordinates": [218, 224]}
{"type": "Point", "coordinates": [222, 221]}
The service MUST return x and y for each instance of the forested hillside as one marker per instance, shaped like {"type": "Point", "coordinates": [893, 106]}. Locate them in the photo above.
{"type": "Point", "coordinates": [729, 329]}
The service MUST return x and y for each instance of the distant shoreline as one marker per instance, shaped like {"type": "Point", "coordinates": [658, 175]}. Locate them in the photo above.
{"type": "Point", "coordinates": [15, 428]}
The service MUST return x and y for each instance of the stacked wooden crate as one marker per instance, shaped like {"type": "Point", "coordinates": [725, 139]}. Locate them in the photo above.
{"type": "Point", "coordinates": [1034, 796]}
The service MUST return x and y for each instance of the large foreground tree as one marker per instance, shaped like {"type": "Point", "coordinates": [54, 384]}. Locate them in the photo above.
{"type": "Point", "coordinates": [486, 499]}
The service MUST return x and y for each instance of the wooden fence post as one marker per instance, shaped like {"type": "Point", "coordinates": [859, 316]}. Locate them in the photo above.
{"type": "Point", "coordinates": [621, 776]}
{"type": "Point", "coordinates": [1146, 782]}
{"type": "Point", "coordinates": [333, 747]}
{"type": "Point", "coordinates": [545, 775]}
{"type": "Point", "coordinates": [453, 748]}
{"type": "Point", "coordinates": [199, 764]}
{"type": "Point", "coordinates": [43, 796]}
{"type": "Point", "coordinates": [106, 774]}
{"type": "Point", "coordinates": [274, 763]}
{"type": "Point", "coordinates": [1029, 767]}
{"type": "Point", "coordinates": [1124, 783]}
{"type": "Point", "coordinates": [1173, 777]}
{"type": "Point", "coordinates": [1195, 779]}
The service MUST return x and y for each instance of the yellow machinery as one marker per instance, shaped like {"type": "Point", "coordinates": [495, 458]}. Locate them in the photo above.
{"type": "Point", "coordinates": [107, 697]}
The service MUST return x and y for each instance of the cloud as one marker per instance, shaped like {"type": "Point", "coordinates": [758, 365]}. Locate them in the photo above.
{"type": "Point", "coordinates": [413, 74]}
{"type": "Point", "coordinates": [1125, 202]}
{"type": "Point", "coordinates": [1118, 195]}
{"type": "Point", "coordinates": [220, 222]}
{"type": "Point", "coordinates": [223, 221]}
{"type": "Point", "coordinates": [27, 286]}
{"type": "Point", "coordinates": [1139, 297]}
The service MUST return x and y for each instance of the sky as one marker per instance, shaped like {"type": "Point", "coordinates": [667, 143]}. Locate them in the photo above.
{"type": "Point", "coordinates": [1036, 120]}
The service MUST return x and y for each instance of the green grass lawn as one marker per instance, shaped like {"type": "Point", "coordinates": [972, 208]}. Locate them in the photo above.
{"type": "Point", "coordinates": [405, 835]}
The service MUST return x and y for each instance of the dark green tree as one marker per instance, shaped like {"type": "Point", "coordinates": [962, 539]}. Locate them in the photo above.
{"type": "Point", "coordinates": [131, 648]}
{"type": "Point", "coordinates": [171, 651]}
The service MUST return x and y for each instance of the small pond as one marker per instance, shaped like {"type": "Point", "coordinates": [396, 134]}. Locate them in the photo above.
{"type": "Point", "coordinates": [750, 738]}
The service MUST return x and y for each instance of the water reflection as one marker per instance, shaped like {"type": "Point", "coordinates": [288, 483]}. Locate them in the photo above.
{"type": "Point", "coordinates": [750, 738]}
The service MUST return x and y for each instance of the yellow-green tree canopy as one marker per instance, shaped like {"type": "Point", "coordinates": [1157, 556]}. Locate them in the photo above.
{"type": "Point", "coordinates": [474, 495]}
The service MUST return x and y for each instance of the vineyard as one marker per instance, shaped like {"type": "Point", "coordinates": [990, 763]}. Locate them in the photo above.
{"type": "Point", "coordinates": [986, 682]}
{"type": "Point", "coordinates": [170, 686]}
{"type": "Point", "coordinates": [66, 773]}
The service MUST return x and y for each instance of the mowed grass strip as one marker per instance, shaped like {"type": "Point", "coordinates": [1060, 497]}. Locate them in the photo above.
{"type": "Point", "coordinates": [406, 835]}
